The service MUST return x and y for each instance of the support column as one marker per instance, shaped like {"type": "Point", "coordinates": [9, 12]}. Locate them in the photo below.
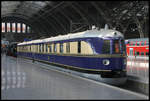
{"type": "Point", "coordinates": [16, 27]}
{"type": "Point", "coordinates": [21, 28]}
{"type": "Point", "coordinates": [26, 29]}
{"type": "Point", "coordinates": [5, 27]}
{"type": "Point", "coordinates": [31, 31]}
{"type": "Point", "coordinates": [10, 27]}
{"type": "Point", "coordinates": [139, 26]}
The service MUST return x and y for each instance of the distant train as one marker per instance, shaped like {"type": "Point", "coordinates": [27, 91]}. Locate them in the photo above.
{"type": "Point", "coordinates": [12, 49]}
{"type": "Point", "coordinates": [92, 51]}
{"type": "Point", "coordinates": [4, 45]}
{"type": "Point", "coordinates": [137, 47]}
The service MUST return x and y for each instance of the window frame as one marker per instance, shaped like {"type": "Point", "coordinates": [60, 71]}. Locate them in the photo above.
{"type": "Point", "coordinates": [104, 47]}
{"type": "Point", "coordinates": [68, 47]}
{"type": "Point", "coordinates": [79, 47]}
{"type": "Point", "coordinates": [116, 46]}
{"type": "Point", "coordinates": [61, 49]}
{"type": "Point", "coordinates": [55, 48]}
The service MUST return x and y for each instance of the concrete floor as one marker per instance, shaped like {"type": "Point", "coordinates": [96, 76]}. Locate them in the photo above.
{"type": "Point", "coordinates": [21, 79]}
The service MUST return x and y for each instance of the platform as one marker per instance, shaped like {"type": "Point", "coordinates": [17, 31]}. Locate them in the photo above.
{"type": "Point", "coordinates": [139, 67]}
{"type": "Point", "coordinates": [22, 79]}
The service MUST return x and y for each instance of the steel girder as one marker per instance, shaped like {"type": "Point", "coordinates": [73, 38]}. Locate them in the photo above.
{"type": "Point", "coordinates": [17, 17]}
{"type": "Point", "coordinates": [51, 21]}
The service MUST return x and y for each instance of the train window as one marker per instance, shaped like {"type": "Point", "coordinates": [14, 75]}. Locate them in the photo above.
{"type": "Point", "coordinates": [142, 53]}
{"type": "Point", "coordinates": [132, 43]}
{"type": "Point", "coordinates": [24, 47]}
{"type": "Point", "coordinates": [36, 49]}
{"type": "Point", "coordinates": [79, 46]}
{"type": "Point", "coordinates": [50, 48]}
{"type": "Point", "coordinates": [55, 48]}
{"type": "Point", "coordinates": [86, 48]}
{"type": "Point", "coordinates": [138, 43]}
{"type": "Point", "coordinates": [61, 47]}
{"type": "Point", "coordinates": [123, 46]}
{"type": "Point", "coordinates": [39, 47]}
{"type": "Point", "coordinates": [142, 43]}
{"type": "Point", "coordinates": [137, 53]}
{"type": "Point", "coordinates": [147, 53]}
{"type": "Point", "coordinates": [68, 47]}
{"type": "Point", "coordinates": [43, 48]}
{"type": "Point", "coordinates": [27, 48]}
{"type": "Point", "coordinates": [147, 43]}
{"type": "Point", "coordinates": [106, 47]}
{"type": "Point", "coordinates": [116, 47]}
{"type": "Point", "coordinates": [30, 48]}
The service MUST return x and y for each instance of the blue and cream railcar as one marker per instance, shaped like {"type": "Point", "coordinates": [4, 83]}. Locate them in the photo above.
{"type": "Point", "coordinates": [93, 51]}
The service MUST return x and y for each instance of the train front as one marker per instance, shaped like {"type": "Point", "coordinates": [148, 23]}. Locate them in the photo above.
{"type": "Point", "coordinates": [114, 50]}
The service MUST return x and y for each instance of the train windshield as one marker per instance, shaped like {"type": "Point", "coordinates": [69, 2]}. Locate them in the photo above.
{"type": "Point", "coordinates": [106, 47]}
{"type": "Point", "coordinates": [116, 47]}
{"type": "Point", "coordinates": [123, 46]}
{"type": "Point", "coordinates": [119, 47]}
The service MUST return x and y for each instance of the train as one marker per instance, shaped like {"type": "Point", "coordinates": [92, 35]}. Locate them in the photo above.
{"type": "Point", "coordinates": [4, 45]}
{"type": "Point", "coordinates": [93, 51]}
{"type": "Point", "coordinates": [137, 47]}
{"type": "Point", "coordinates": [11, 50]}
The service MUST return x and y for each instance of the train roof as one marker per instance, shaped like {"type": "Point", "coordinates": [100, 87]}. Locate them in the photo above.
{"type": "Point", "coordinates": [103, 33]}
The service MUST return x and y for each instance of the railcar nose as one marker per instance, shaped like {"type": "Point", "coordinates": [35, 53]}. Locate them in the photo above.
{"type": "Point", "coordinates": [118, 63]}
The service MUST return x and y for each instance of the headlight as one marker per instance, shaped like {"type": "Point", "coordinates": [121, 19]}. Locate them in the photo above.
{"type": "Point", "coordinates": [106, 62]}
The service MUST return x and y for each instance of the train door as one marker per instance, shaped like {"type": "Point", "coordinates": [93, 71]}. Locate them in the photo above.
{"type": "Point", "coordinates": [131, 51]}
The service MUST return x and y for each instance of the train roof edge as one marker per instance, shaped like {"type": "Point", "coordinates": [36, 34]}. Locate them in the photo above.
{"type": "Point", "coordinates": [102, 33]}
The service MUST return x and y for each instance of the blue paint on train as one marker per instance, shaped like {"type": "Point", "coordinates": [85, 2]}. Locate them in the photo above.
{"type": "Point", "coordinates": [82, 62]}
